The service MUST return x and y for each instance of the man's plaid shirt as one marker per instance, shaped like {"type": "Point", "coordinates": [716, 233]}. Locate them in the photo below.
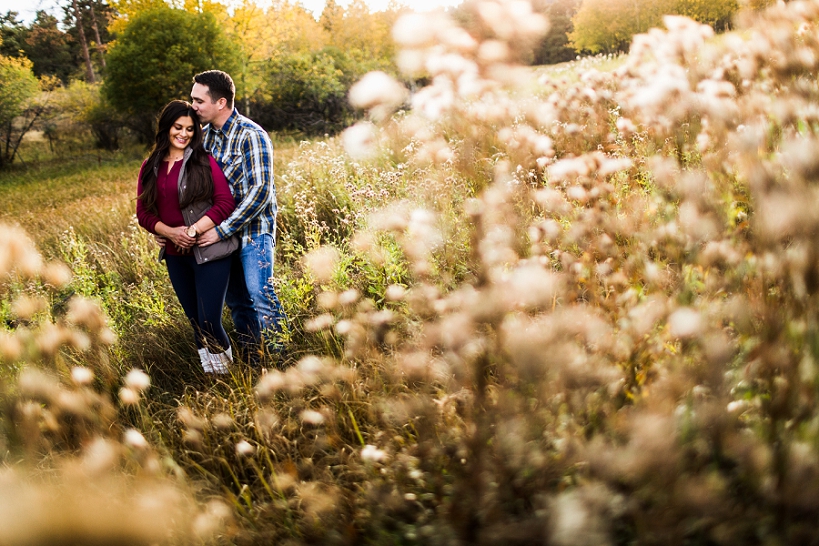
{"type": "Point", "coordinates": [244, 151]}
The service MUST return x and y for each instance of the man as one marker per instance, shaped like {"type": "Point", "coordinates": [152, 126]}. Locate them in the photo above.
{"type": "Point", "coordinates": [244, 151]}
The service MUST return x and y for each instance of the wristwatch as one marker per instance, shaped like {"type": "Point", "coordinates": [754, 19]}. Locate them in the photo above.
{"type": "Point", "coordinates": [191, 231]}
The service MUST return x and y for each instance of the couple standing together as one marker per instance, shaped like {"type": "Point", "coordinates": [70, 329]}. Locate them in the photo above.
{"type": "Point", "coordinates": [207, 194]}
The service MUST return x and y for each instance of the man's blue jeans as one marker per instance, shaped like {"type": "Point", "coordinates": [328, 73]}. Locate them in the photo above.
{"type": "Point", "coordinates": [253, 303]}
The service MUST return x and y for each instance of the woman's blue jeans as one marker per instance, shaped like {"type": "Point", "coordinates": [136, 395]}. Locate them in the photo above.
{"type": "Point", "coordinates": [252, 300]}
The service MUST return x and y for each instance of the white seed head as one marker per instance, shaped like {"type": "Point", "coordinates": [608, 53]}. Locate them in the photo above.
{"type": "Point", "coordinates": [321, 262]}
{"type": "Point", "coordinates": [373, 454]}
{"type": "Point", "coordinates": [413, 30]}
{"type": "Point", "coordinates": [137, 380]}
{"type": "Point", "coordinates": [245, 449]}
{"type": "Point", "coordinates": [312, 417]}
{"type": "Point", "coordinates": [395, 292]}
{"type": "Point", "coordinates": [81, 375]}
{"type": "Point", "coordinates": [128, 397]}
{"type": "Point", "coordinates": [685, 323]}
{"type": "Point", "coordinates": [135, 439]}
{"type": "Point", "coordinates": [56, 274]}
{"type": "Point", "coordinates": [360, 140]}
{"type": "Point", "coordinates": [377, 89]}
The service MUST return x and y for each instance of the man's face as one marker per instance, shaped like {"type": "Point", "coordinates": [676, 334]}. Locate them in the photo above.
{"type": "Point", "coordinates": [203, 105]}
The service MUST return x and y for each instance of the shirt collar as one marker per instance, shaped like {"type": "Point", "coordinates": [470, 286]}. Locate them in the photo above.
{"type": "Point", "coordinates": [228, 123]}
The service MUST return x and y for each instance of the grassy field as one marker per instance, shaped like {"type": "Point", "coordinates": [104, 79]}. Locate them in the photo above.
{"type": "Point", "coordinates": [571, 307]}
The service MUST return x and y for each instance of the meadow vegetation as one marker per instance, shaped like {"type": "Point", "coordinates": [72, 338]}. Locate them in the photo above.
{"type": "Point", "coordinates": [524, 308]}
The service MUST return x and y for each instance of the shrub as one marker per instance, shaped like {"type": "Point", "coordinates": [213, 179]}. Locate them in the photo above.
{"type": "Point", "coordinates": [154, 60]}
{"type": "Point", "coordinates": [306, 91]}
{"type": "Point", "coordinates": [18, 87]}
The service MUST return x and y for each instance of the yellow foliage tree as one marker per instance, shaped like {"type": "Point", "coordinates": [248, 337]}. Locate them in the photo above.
{"type": "Point", "coordinates": [269, 34]}
{"type": "Point", "coordinates": [609, 25]}
{"type": "Point", "coordinates": [365, 36]}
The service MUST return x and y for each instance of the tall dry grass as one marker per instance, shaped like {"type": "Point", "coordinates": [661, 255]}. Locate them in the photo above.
{"type": "Point", "coordinates": [560, 311]}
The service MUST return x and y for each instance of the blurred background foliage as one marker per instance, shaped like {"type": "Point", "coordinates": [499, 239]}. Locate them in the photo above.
{"type": "Point", "coordinates": [293, 68]}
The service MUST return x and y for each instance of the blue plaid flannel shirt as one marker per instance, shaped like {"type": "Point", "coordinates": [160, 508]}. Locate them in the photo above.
{"type": "Point", "coordinates": [244, 151]}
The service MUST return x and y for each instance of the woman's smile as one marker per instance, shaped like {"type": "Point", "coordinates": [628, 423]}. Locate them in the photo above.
{"type": "Point", "coordinates": [181, 132]}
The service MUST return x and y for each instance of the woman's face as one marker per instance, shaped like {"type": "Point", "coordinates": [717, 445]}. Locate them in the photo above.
{"type": "Point", "coordinates": [181, 132]}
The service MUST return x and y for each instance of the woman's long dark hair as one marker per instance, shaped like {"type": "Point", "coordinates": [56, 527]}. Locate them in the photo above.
{"type": "Point", "coordinates": [200, 178]}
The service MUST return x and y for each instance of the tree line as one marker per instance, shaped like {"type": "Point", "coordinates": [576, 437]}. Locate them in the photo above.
{"type": "Point", "coordinates": [102, 69]}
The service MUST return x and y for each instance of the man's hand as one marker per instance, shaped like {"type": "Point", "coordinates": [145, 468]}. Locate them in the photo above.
{"type": "Point", "coordinates": [160, 240]}
{"type": "Point", "coordinates": [207, 238]}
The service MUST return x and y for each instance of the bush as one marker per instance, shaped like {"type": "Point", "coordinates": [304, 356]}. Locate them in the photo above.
{"type": "Point", "coordinates": [18, 87]}
{"type": "Point", "coordinates": [154, 60]}
{"type": "Point", "coordinates": [307, 92]}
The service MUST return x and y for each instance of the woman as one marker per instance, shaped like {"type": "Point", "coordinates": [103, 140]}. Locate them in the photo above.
{"type": "Point", "coordinates": [183, 193]}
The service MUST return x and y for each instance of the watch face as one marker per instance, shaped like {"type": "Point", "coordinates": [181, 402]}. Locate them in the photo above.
{"type": "Point", "coordinates": [191, 231]}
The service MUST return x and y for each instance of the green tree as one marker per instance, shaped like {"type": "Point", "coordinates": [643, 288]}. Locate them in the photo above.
{"type": "Point", "coordinates": [555, 46]}
{"type": "Point", "coordinates": [95, 16]}
{"type": "Point", "coordinates": [155, 58]}
{"type": "Point", "coordinates": [716, 13]}
{"type": "Point", "coordinates": [307, 92]}
{"type": "Point", "coordinates": [48, 48]}
{"type": "Point", "coordinates": [12, 35]}
{"type": "Point", "coordinates": [18, 87]}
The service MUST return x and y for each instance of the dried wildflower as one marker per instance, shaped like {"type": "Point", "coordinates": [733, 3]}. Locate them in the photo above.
{"type": "Point", "coordinates": [78, 340]}
{"type": "Point", "coordinates": [349, 297]}
{"type": "Point", "coordinates": [137, 380]}
{"type": "Point", "coordinates": [685, 323]}
{"type": "Point", "coordinates": [190, 419]}
{"type": "Point", "coordinates": [222, 421]}
{"type": "Point", "coordinates": [360, 140]}
{"type": "Point", "coordinates": [100, 455]}
{"type": "Point", "coordinates": [107, 336]}
{"type": "Point", "coordinates": [266, 421]}
{"type": "Point", "coordinates": [270, 383]}
{"type": "Point", "coordinates": [327, 300]}
{"type": "Point", "coordinates": [493, 51]}
{"type": "Point", "coordinates": [395, 292]}
{"type": "Point", "coordinates": [37, 385]}
{"type": "Point", "coordinates": [580, 517]}
{"type": "Point", "coordinates": [413, 30]}
{"type": "Point", "coordinates": [11, 349]}
{"type": "Point", "coordinates": [324, 321]}
{"type": "Point", "coordinates": [50, 338]}
{"type": "Point", "coordinates": [379, 93]}
{"type": "Point", "coordinates": [192, 438]}
{"type": "Point", "coordinates": [212, 519]}
{"type": "Point", "coordinates": [56, 274]}
{"type": "Point", "coordinates": [25, 307]}
{"type": "Point", "coordinates": [373, 454]}
{"type": "Point", "coordinates": [321, 262]}
{"type": "Point", "coordinates": [245, 449]}
{"type": "Point", "coordinates": [81, 375]}
{"type": "Point", "coordinates": [135, 439]}
{"type": "Point", "coordinates": [312, 417]}
{"type": "Point", "coordinates": [128, 397]}
{"type": "Point", "coordinates": [87, 313]}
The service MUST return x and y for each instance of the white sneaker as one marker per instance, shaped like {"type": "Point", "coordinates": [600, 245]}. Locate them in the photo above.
{"type": "Point", "coordinates": [205, 358]}
{"type": "Point", "coordinates": [220, 361]}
